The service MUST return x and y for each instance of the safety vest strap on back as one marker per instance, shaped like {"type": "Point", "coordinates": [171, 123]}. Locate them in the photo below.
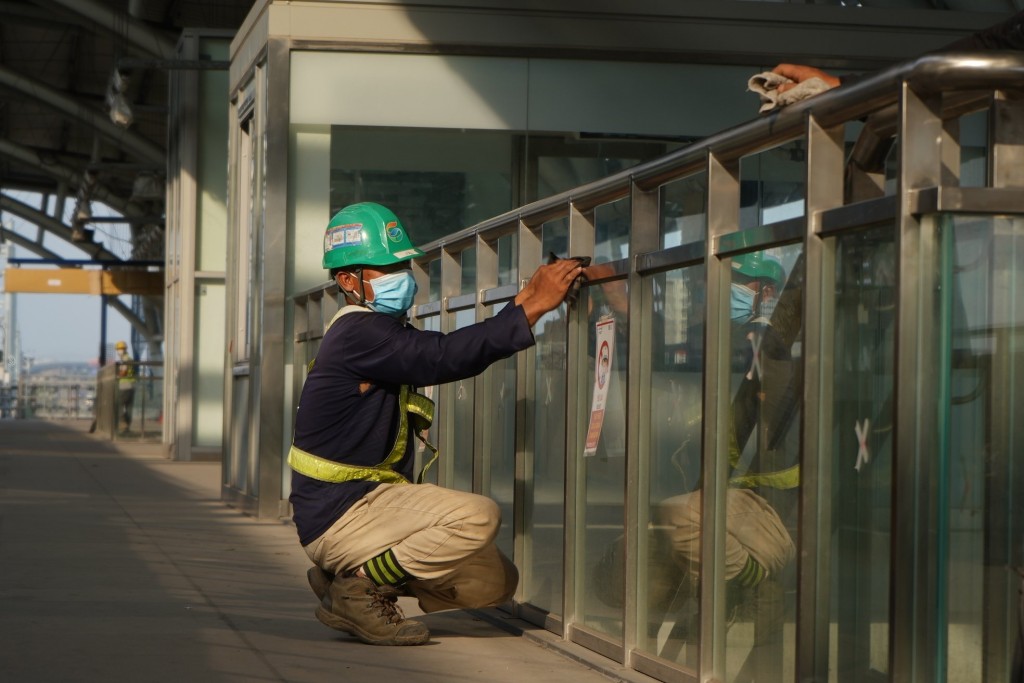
{"type": "Point", "coordinates": [415, 411]}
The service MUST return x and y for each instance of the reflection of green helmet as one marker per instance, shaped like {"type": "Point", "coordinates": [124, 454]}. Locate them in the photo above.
{"type": "Point", "coordinates": [760, 266]}
{"type": "Point", "coordinates": [366, 234]}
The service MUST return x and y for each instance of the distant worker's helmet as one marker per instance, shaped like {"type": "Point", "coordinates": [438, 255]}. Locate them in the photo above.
{"type": "Point", "coordinates": [760, 266]}
{"type": "Point", "coordinates": [366, 234]}
{"type": "Point", "coordinates": [120, 346]}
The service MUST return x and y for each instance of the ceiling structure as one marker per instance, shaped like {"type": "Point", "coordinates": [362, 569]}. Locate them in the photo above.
{"type": "Point", "coordinates": [83, 111]}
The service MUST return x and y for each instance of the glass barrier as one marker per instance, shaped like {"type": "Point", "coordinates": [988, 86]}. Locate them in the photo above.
{"type": "Point", "coordinates": [461, 438]}
{"type": "Point", "coordinates": [766, 380]}
{"type": "Point", "coordinates": [857, 497]}
{"type": "Point", "coordinates": [602, 462]}
{"type": "Point", "coordinates": [498, 405]}
{"type": "Point", "coordinates": [544, 499]}
{"type": "Point", "coordinates": [669, 555]}
{"type": "Point", "coordinates": [981, 260]}
{"type": "Point", "coordinates": [808, 328]}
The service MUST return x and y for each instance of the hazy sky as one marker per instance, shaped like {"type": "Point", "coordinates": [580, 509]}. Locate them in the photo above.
{"type": "Point", "coordinates": [65, 327]}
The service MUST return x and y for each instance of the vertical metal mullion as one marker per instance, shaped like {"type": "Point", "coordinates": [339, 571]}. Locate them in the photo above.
{"type": "Point", "coordinates": [581, 241]}
{"type": "Point", "coordinates": [267, 358]}
{"type": "Point", "coordinates": [528, 259]}
{"type": "Point", "coordinates": [1006, 131]}
{"type": "Point", "coordinates": [451, 281]}
{"type": "Point", "coordinates": [644, 237]}
{"type": "Point", "coordinates": [186, 156]}
{"type": "Point", "coordinates": [723, 204]}
{"type": "Point", "coordinates": [486, 278]}
{"type": "Point", "coordinates": [825, 152]}
{"type": "Point", "coordinates": [914, 621]}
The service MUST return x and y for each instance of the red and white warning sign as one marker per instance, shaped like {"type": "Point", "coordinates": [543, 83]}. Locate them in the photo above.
{"type": "Point", "coordinates": [604, 332]}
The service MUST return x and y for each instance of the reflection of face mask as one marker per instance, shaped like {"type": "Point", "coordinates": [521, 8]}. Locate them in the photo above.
{"type": "Point", "coordinates": [393, 293]}
{"type": "Point", "coordinates": [741, 307]}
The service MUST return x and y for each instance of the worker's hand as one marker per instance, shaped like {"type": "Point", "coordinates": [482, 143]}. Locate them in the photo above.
{"type": "Point", "coordinates": [547, 288]}
{"type": "Point", "coordinates": [800, 73]}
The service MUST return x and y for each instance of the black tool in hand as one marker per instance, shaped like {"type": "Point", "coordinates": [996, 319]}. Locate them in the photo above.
{"type": "Point", "coordinates": [574, 289]}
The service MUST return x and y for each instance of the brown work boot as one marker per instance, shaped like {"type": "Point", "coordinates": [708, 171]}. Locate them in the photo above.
{"type": "Point", "coordinates": [319, 581]}
{"type": "Point", "coordinates": [358, 606]}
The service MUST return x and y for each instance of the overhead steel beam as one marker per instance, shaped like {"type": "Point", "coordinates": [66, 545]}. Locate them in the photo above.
{"type": "Point", "coordinates": [82, 281]}
{"type": "Point", "coordinates": [149, 40]}
{"type": "Point", "coordinates": [26, 243]}
{"type": "Point", "coordinates": [66, 174]}
{"type": "Point", "coordinates": [54, 227]}
{"type": "Point", "coordinates": [27, 14]}
{"type": "Point", "coordinates": [174, 64]}
{"type": "Point", "coordinates": [131, 142]}
{"type": "Point", "coordinates": [115, 303]}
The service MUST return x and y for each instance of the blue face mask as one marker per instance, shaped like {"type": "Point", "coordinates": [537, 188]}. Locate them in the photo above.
{"type": "Point", "coordinates": [393, 293]}
{"type": "Point", "coordinates": [741, 307]}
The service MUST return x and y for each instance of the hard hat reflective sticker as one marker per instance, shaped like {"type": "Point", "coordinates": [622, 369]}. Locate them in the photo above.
{"type": "Point", "coordinates": [349, 235]}
{"type": "Point", "coordinates": [406, 252]}
{"type": "Point", "coordinates": [394, 232]}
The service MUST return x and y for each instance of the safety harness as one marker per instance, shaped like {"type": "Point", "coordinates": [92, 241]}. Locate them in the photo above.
{"type": "Point", "coordinates": [416, 411]}
{"type": "Point", "coordinates": [788, 478]}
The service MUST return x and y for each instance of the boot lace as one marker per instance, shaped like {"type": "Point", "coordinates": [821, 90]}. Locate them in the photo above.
{"type": "Point", "coordinates": [385, 600]}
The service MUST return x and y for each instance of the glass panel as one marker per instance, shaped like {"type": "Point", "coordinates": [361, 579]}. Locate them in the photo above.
{"type": "Point", "coordinates": [423, 454]}
{"type": "Point", "coordinates": [462, 424]}
{"type": "Point", "coordinates": [499, 406]}
{"type": "Point", "coordinates": [982, 435]}
{"type": "Point", "coordinates": [544, 503]}
{"type": "Point", "coordinates": [434, 277]}
{"type": "Point", "coordinates": [611, 231]}
{"type": "Point", "coordinates": [684, 210]}
{"type": "Point", "coordinates": [974, 149]}
{"type": "Point", "coordinates": [507, 269]}
{"type": "Point", "coordinates": [602, 461]}
{"type": "Point", "coordinates": [555, 238]}
{"type": "Point", "coordinates": [436, 181]}
{"type": "Point", "coordinates": [857, 497]}
{"type": "Point", "coordinates": [763, 487]}
{"type": "Point", "coordinates": [772, 184]}
{"type": "Point", "coordinates": [669, 600]}
{"type": "Point", "coordinates": [557, 164]}
{"type": "Point", "coordinates": [468, 261]}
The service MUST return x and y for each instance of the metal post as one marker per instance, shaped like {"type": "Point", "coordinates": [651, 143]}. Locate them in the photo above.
{"type": "Point", "coordinates": [103, 330]}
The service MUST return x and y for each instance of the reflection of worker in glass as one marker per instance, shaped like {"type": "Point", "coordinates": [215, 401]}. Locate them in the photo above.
{"type": "Point", "coordinates": [125, 385]}
{"type": "Point", "coordinates": [756, 281]}
{"type": "Point", "coordinates": [757, 542]}
{"type": "Point", "coordinates": [758, 546]}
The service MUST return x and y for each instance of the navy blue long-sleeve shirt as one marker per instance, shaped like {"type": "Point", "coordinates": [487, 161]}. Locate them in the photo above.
{"type": "Point", "coordinates": [348, 411]}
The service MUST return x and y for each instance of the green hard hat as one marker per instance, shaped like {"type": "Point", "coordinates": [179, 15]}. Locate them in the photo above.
{"type": "Point", "coordinates": [366, 234]}
{"type": "Point", "coordinates": [760, 266]}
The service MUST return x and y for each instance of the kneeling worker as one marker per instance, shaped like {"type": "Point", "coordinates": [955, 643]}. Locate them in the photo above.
{"type": "Point", "coordinates": [370, 533]}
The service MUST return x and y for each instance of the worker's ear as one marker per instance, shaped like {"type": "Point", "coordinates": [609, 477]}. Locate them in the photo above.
{"type": "Point", "coordinates": [345, 280]}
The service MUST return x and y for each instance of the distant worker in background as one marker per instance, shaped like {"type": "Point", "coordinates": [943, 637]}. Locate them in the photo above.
{"type": "Point", "coordinates": [125, 385]}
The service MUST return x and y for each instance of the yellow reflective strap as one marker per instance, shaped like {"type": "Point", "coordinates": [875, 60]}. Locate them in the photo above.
{"type": "Point", "coordinates": [788, 478]}
{"type": "Point", "coordinates": [323, 469]}
{"type": "Point", "coordinates": [422, 409]}
{"type": "Point", "coordinates": [423, 472]}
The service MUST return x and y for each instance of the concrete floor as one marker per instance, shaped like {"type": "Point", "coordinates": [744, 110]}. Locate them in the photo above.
{"type": "Point", "coordinates": [117, 564]}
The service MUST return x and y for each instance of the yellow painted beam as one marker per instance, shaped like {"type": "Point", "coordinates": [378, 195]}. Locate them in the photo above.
{"type": "Point", "coordinates": [78, 281]}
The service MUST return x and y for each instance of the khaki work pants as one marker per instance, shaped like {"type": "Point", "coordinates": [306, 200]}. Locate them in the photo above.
{"type": "Point", "coordinates": [443, 538]}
